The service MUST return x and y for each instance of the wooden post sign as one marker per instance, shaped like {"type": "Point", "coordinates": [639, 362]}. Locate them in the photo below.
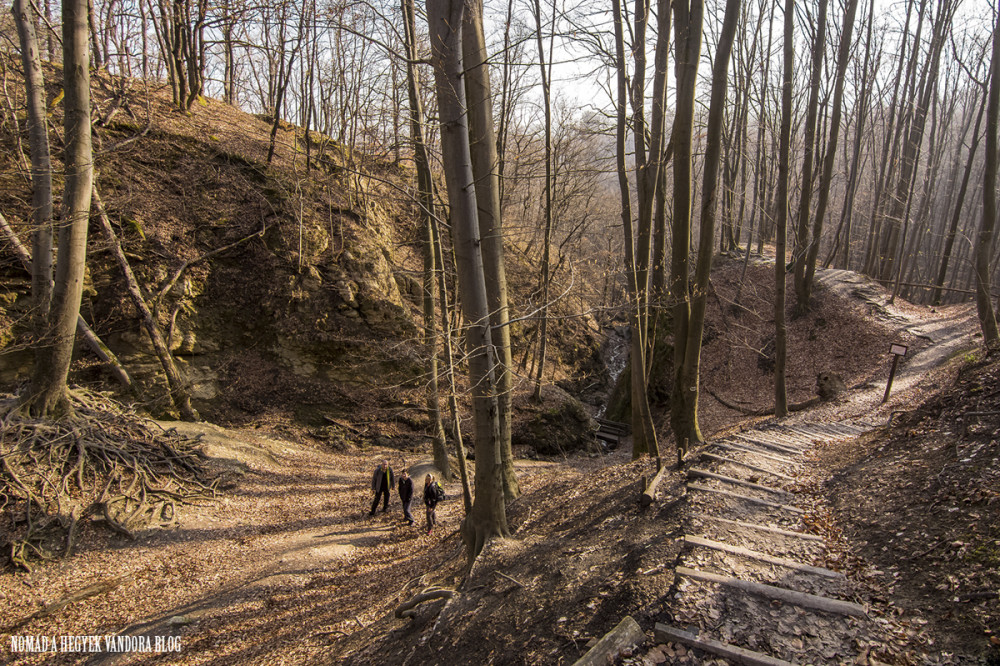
{"type": "Point", "coordinates": [896, 351]}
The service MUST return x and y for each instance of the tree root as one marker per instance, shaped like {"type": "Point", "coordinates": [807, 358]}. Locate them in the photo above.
{"type": "Point", "coordinates": [103, 462]}
{"type": "Point", "coordinates": [407, 608]}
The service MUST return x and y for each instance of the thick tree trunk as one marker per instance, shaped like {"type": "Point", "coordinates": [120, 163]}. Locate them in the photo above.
{"type": "Point", "coordinates": [687, 34]}
{"type": "Point", "coordinates": [178, 387]}
{"type": "Point", "coordinates": [47, 393]}
{"type": "Point", "coordinates": [486, 172]}
{"type": "Point", "coordinates": [94, 343]}
{"type": "Point", "coordinates": [488, 518]}
{"type": "Point", "coordinates": [425, 195]}
{"type": "Point", "coordinates": [984, 247]}
{"type": "Point", "coordinates": [41, 163]}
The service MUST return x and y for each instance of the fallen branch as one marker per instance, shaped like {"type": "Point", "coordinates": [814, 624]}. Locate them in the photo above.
{"type": "Point", "coordinates": [178, 389]}
{"type": "Point", "coordinates": [649, 495]}
{"type": "Point", "coordinates": [793, 407]}
{"type": "Point", "coordinates": [100, 587]}
{"type": "Point", "coordinates": [511, 579]}
{"type": "Point", "coordinates": [406, 609]}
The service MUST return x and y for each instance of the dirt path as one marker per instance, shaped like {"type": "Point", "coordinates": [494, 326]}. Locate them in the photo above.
{"type": "Point", "coordinates": [761, 576]}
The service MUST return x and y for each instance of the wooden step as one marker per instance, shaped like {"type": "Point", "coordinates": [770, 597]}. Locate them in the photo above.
{"type": "Point", "coordinates": [814, 601]}
{"type": "Point", "coordinates": [769, 445]}
{"type": "Point", "coordinates": [763, 557]}
{"type": "Point", "coordinates": [796, 447]}
{"type": "Point", "coordinates": [732, 446]}
{"type": "Point", "coordinates": [747, 498]}
{"type": "Point", "coordinates": [665, 633]}
{"type": "Point", "coordinates": [703, 473]}
{"type": "Point", "coordinates": [731, 461]}
{"type": "Point", "coordinates": [762, 528]}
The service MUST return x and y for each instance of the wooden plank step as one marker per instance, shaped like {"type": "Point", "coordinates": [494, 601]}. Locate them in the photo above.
{"type": "Point", "coordinates": [727, 493]}
{"type": "Point", "coordinates": [627, 634]}
{"type": "Point", "coordinates": [731, 461]}
{"type": "Point", "coordinates": [796, 444]}
{"type": "Point", "coordinates": [613, 425]}
{"type": "Point", "coordinates": [814, 601]}
{"type": "Point", "coordinates": [762, 528]}
{"type": "Point", "coordinates": [705, 474]}
{"type": "Point", "coordinates": [764, 557]}
{"type": "Point", "coordinates": [730, 446]}
{"type": "Point", "coordinates": [608, 437]}
{"type": "Point", "coordinates": [665, 633]}
{"type": "Point", "coordinates": [769, 445]}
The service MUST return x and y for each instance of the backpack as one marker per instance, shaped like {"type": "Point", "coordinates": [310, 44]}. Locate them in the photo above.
{"type": "Point", "coordinates": [438, 492]}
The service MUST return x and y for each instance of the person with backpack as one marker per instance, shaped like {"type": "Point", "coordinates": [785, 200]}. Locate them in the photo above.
{"type": "Point", "coordinates": [406, 495]}
{"type": "Point", "coordinates": [433, 493]}
{"type": "Point", "coordinates": [382, 482]}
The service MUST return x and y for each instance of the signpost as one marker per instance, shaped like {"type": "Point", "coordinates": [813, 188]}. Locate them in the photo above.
{"type": "Point", "coordinates": [896, 351]}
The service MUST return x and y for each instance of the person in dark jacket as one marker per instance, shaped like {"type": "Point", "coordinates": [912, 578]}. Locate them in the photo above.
{"type": "Point", "coordinates": [433, 493]}
{"type": "Point", "coordinates": [406, 494]}
{"type": "Point", "coordinates": [382, 482]}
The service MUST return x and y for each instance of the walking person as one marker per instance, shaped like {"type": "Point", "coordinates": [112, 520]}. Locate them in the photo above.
{"type": "Point", "coordinates": [382, 482]}
{"type": "Point", "coordinates": [433, 493]}
{"type": "Point", "coordinates": [406, 494]}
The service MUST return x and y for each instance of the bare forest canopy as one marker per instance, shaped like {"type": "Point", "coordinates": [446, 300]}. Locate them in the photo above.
{"type": "Point", "coordinates": [905, 194]}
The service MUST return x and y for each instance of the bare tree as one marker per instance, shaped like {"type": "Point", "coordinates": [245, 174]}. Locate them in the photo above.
{"type": "Point", "coordinates": [47, 394]}
{"type": "Point", "coordinates": [984, 246]}
{"type": "Point", "coordinates": [488, 518]}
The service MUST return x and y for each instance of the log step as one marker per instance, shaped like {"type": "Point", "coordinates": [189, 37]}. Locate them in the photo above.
{"type": "Point", "coordinates": [732, 461]}
{"type": "Point", "coordinates": [763, 557]}
{"type": "Point", "coordinates": [802, 599]}
{"type": "Point", "coordinates": [767, 443]}
{"type": "Point", "coordinates": [747, 498]}
{"type": "Point", "coordinates": [665, 633]}
{"type": "Point", "coordinates": [733, 446]}
{"type": "Point", "coordinates": [703, 473]}
{"type": "Point", "coordinates": [762, 528]}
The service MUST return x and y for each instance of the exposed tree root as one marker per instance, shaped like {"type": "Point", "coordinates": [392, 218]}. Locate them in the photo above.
{"type": "Point", "coordinates": [104, 463]}
{"type": "Point", "coordinates": [407, 608]}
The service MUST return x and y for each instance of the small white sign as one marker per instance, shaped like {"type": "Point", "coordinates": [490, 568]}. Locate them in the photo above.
{"type": "Point", "coordinates": [898, 350]}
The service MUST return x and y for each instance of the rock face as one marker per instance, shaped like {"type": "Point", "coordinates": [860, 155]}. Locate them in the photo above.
{"type": "Point", "coordinates": [561, 424]}
{"type": "Point", "coordinates": [829, 385]}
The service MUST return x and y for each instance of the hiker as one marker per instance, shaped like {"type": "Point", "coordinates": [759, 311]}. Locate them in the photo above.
{"type": "Point", "coordinates": [406, 494]}
{"type": "Point", "coordinates": [382, 482]}
{"type": "Point", "coordinates": [433, 493]}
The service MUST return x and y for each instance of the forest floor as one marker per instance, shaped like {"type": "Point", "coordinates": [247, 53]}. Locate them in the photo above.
{"type": "Point", "coordinates": [287, 567]}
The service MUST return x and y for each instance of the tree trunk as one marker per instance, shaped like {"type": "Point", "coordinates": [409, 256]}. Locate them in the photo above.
{"type": "Point", "coordinates": [41, 163]}
{"type": "Point", "coordinates": [984, 303]}
{"type": "Point", "coordinates": [178, 387]}
{"type": "Point", "coordinates": [784, 151]}
{"type": "Point", "coordinates": [425, 195]}
{"type": "Point", "coordinates": [485, 171]}
{"type": "Point", "coordinates": [488, 518]}
{"type": "Point", "coordinates": [691, 368]}
{"type": "Point", "coordinates": [805, 195]}
{"type": "Point", "coordinates": [949, 242]}
{"type": "Point", "coordinates": [805, 289]}
{"type": "Point", "coordinates": [47, 393]}
{"type": "Point", "coordinates": [549, 185]}
{"type": "Point", "coordinates": [687, 34]}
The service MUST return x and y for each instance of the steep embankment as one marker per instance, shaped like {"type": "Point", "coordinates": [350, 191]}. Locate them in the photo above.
{"type": "Point", "coordinates": [288, 291]}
